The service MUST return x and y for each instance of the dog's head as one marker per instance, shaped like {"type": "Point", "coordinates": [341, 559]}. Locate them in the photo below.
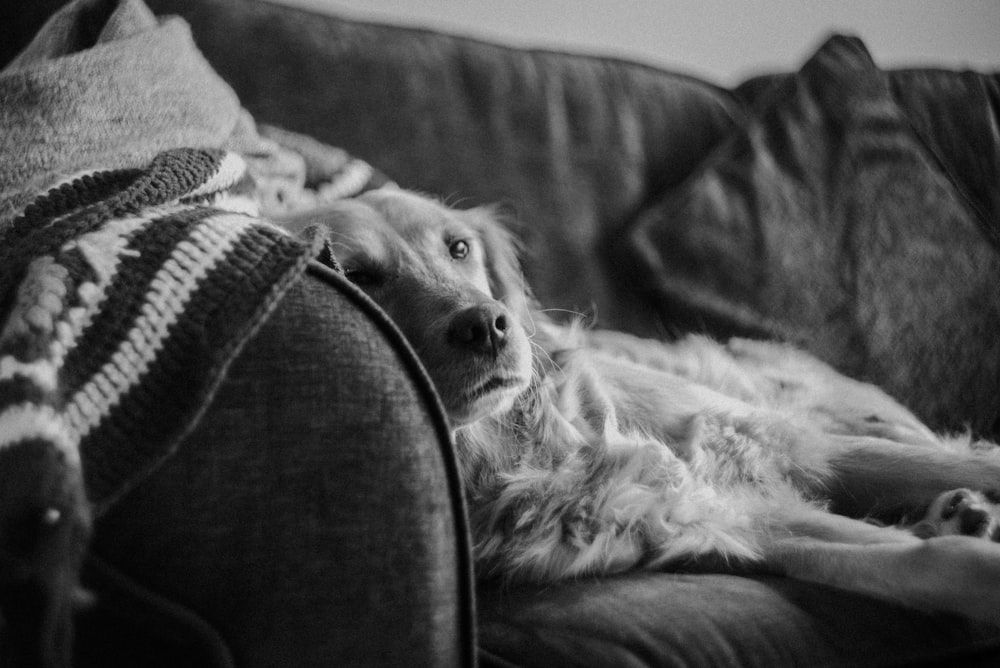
{"type": "Point", "coordinates": [450, 281]}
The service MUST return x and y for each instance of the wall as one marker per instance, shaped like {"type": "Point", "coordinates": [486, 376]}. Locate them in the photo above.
{"type": "Point", "coordinates": [722, 40]}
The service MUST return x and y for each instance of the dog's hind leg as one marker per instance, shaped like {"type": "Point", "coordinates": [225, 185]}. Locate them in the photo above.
{"type": "Point", "coordinates": [885, 480]}
{"type": "Point", "coordinates": [952, 574]}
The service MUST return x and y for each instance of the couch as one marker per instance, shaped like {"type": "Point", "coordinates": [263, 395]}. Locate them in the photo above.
{"type": "Point", "coordinates": [852, 210]}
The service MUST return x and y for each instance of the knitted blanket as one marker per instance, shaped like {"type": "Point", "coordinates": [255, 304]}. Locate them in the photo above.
{"type": "Point", "coordinates": [129, 292]}
{"type": "Point", "coordinates": [132, 271]}
{"type": "Point", "coordinates": [126, 290]}
{"type": "Point", "coordinates": [125, 295]}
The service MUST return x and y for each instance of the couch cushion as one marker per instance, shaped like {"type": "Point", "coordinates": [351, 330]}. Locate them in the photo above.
{"type": "Point", "coordinates": [826, 221]}
{"type": "Point", "coordinates": [957, 114]}
{"type": "Point", "coordinates": [716, 621]}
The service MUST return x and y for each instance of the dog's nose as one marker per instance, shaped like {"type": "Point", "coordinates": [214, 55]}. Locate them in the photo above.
{"type": "Point", "coordinates": [481, 328]}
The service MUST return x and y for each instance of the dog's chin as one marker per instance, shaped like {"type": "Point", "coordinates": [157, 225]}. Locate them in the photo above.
{"type": "Point", "coordinates": [492, 396]}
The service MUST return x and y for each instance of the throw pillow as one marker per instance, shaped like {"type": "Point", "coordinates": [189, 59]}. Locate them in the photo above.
{"type": "Point", "coordinates": [826, 221]}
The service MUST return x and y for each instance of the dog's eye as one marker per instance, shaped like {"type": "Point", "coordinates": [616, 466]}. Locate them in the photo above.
{"type": "Point", "coordinates": [459, 249]}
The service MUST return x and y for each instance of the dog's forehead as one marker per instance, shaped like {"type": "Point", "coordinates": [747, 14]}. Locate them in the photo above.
{"type": "Point", "coordinates": [415, 218]}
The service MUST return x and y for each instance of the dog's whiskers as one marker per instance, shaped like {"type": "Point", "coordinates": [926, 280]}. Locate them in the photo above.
{"type": "Point", "coordinates": [587, 320]}
{"type": "Point", "coordinates": [542, 354]}
{"type": "Point", "coordinates": [530, 327]}
{"type": "Point", "coordinates": [453, 201]}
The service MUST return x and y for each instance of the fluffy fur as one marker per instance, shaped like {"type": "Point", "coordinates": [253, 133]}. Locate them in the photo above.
{"type": "Point", "coordinates": [590, 452]}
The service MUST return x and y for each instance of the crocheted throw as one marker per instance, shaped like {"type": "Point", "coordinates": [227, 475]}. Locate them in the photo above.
{"type": "Point", "coordinates": [126, 294]}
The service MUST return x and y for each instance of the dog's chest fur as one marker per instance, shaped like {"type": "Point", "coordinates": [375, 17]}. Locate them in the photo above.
{"type": "Point", "coordinates": [577, 480]}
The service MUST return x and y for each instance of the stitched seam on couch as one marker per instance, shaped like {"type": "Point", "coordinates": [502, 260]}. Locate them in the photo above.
{"type": "Point", "coordinates": [157, 615]}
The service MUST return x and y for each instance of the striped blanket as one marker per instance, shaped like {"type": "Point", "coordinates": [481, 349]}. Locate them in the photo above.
{"type": "Point", "coordinates": [131, 274]}
{"type": "Point", "coordinates": [125, 295]}
{"type": "Point", "coordinates": [129, 292]}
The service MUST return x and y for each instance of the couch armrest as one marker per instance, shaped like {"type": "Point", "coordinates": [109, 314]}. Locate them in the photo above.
{"type": "Point", "coordinates": [313, 517]}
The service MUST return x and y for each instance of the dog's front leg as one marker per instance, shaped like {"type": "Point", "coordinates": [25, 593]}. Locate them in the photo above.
{"type": "Point", "coordinates": [882, 479]}
{"type": "Point", "coordinates": [952, 574]}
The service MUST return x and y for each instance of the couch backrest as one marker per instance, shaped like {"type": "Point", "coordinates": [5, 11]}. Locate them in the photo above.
{"type": "Point", "coordinates": [573, 145]}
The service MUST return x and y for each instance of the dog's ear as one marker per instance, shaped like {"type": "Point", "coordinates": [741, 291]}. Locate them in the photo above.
{"type": "Point", "coordinates": [502, 249]}
{"type": "Point", "coordinates": [318, 226]}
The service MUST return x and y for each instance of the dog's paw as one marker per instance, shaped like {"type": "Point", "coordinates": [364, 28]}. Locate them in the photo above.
{"type": "Point", "coordinates": [962, 512]}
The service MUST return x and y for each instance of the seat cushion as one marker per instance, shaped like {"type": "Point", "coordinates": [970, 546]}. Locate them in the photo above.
{"type": "Point", "coordinates": [716, 621]}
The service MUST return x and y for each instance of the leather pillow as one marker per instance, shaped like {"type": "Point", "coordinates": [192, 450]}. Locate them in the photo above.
{"type": "Point", "coordinates": [826, 221]}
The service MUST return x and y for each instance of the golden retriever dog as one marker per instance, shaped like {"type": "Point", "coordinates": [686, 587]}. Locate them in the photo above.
{"type": "Point", "coordinates": [593, 452]}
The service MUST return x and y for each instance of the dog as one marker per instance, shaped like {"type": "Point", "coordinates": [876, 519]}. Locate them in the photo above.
{"type": "Point", "coordinates": [590, 452]}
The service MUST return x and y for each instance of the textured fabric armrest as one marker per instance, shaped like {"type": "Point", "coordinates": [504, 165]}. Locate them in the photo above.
{"type": "Point", "coordinates": [313, 517]}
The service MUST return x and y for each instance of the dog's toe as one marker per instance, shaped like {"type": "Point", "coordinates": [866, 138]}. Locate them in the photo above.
{"type": "Point", "coordinates": [963, 512]}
